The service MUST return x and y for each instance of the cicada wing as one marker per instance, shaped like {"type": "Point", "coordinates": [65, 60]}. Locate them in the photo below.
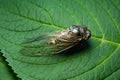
{"type": "Point", "coordinates": [62, 47]}
{"type": "Point", "coordinates": [37, 51]}
{"type": "Point", "coordinates": [36, 39]}
{"type": "Point", "coordinates": [43, 50]}
{"type": "Point", "coordinates": [39, 46]}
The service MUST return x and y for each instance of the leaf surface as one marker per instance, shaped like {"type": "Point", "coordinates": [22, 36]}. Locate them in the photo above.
{"type": "Point", "coordinates": [24, 19]}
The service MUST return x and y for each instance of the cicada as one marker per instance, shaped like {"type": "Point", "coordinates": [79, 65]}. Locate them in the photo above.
{"type": "Point", "coordinates": [57, 42]}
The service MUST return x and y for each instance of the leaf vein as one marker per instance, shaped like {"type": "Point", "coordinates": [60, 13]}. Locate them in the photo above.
{"type": "Point", "coordinates": [115, 23]}
{"type": "Point", "coordinates": [97, 65]}
{"type": "Point", "coordinates": [92, 16]}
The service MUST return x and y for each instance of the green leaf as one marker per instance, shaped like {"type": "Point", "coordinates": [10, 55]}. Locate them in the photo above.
{"type": "Point", "coordinates": [23, 19]}
{"type": "Point", "coordinates": [5, 71]}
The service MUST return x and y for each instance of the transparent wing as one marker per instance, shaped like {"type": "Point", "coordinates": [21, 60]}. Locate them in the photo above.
{"type": "Point", "coordinates": [39, 46]}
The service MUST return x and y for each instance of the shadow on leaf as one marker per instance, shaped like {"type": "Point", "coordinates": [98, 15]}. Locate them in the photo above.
{"type": "Point", "coordinates": [77, 49]}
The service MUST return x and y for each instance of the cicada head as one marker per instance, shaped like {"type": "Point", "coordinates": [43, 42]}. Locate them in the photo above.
{"type": "Point", "coordinates": [81, 32]}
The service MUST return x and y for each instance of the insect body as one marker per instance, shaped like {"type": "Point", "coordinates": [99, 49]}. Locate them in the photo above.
{"type": "Point", "coordinates": [57, 42]}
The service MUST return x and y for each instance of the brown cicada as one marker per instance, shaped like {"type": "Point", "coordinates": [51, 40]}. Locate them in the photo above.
{"type": "Point", "coordinates": [57, 42]}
